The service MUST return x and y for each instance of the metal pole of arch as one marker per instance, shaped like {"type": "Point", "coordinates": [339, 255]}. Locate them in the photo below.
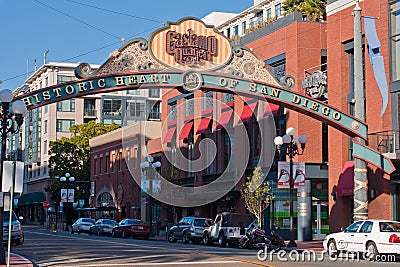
{"type": "Point", "coordinates": [360, 209]}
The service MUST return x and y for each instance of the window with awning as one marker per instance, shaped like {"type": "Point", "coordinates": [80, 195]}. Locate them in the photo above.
{"type": "Point", "coordinates": [186, 130]}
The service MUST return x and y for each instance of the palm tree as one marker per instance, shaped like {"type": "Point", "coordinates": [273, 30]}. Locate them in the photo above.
{"type": "Point", "coordinates": [314, 10]}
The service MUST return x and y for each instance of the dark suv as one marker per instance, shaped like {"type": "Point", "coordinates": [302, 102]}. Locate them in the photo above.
{"type": "Point", "coordinates": [188, 229]}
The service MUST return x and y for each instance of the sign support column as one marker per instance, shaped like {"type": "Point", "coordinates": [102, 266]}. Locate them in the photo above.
{"type": "Point", "coordinates": [360, 209]}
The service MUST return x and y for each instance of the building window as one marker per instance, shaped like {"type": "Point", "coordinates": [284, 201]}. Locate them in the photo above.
{"type": "Point", "coordinates": [107, 170]}
{"type": "Point", "coordinates": [120, 160]}
{"type": "Point", "coordinates": [269, 13]}
{"type": "Point", "coordinates": [278, 10]}
{"type": "Point", "coordinates": [155, 113]}
{"type": "Point", "coordinates": [244, 24]}
{"type": "Point", "coordinates": [133, 92]}
{"type": "Point", "coordinates": [45, 147]}
{"type": "Point", "coordinates": [136, 108]}
{"type": "Point", "coordinates": [45, 127]}
{"type": "Point", "coordinates": [228, 32]}
{"type": "Point", "coordinates": [277, 66]}
{"type": "Point", "coordinates": [172, 112]}
{"type": "Point", "coordinates": [236, 30]}
{"type": "Point", "coordinates": [189, 106]}
{"type": "Point", "coordinates": [66, 105]}
{"type": "Point", "coordinates": [95, 167]}
{"type": "Point", "coordinates": [154, 93]}
{"type": "Point", "coordinates": [228, 97]}
{"type": "Point", "coordinates": [101, 164]}
{"type": "Point", "coordinates": [208, 100]}
{"type": "Point", "coordinates": [63, 79]}
{"type": "Point", "coordinates": [252, 22]}
{"type": "Point", "coordinates": [111, 121]}
{"type": "Point", "coordinates": [260, 17]}
{"type": "Point", "coordinates": [64, 125]}
{"type": "Point", "coordinates": [112, 107]}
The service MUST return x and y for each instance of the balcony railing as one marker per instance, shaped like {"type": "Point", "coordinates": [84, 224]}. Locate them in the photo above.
{"type": "Point", "coordinates": [385, 142]}
{"type": "Point", "coordinates": [89, 113]}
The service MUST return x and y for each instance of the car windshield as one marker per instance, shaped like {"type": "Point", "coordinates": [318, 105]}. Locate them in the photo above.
{"type": "Point", "coordinates": [199, 222]}
{"type": "Point", "coordinates": [88, 220]}
{"type": "Point", "coordinates": [7, 216]}
{"type": "Point", "coordinates": [108, 222]}
{"type": "Point", "coordinates": [389, 227]}
{"type": "Point", "coordinates": [239, 220]}
{"type": "Point", "coordinates": [133, 222]}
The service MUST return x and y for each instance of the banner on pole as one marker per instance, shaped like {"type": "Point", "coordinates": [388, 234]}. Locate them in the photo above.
{"type": "Point", "coordinates": [299, 174]}
{"type": "Point", "coordinates": [64, 197]}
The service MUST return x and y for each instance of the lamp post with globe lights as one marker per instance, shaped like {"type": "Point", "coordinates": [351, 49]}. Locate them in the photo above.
{"type": "Point", "coordinates": [67, 199]}
{"type": "Point", "coordinates": [149, 169]}
{"type": "Point", "coordinates": [11, 122]}
{"type": "Point", "coordinates": [288, 144]}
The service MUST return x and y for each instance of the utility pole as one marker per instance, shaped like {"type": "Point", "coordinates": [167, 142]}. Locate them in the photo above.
{"type": "Point", "coordinates": [360, 211]}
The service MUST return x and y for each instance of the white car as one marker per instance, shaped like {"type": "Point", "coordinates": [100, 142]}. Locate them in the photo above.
{"type": "Point", "coordinates": [372, 237]}
{"type": "Point", "coordinates": [82, 225]}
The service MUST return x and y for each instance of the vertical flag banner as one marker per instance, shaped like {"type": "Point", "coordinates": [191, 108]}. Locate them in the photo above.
{"type": "Point", "coordinates": [283, 174]}
{"type": "Point", "coordinates": [71, 194]}
{"type": "Point", "coordinates": [376, 60]}
{"type": "Point", "coordinates": [299, 174]}
{"type": "Point", "coordinates": [63, 195]}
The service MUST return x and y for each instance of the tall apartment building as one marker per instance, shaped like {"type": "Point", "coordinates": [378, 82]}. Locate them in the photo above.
{"type": "Point", "coordinates": [52, 122]}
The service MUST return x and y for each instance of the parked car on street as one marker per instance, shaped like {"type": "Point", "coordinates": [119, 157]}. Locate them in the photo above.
{"type": "Point", "coordinates": [17, 234]}
{"type": "Point", "coordinates": [227, 228]}
{"type": "Point", "coordinates": [102, 227]}
{"type": "Point", "coordinates": [131, 228]}
{"type": "Point", "coordinates": [188, 229]}
{"type": "Point", "coordinates": [82, 225]}
{"type": "Point", "coordinates": [373, 237]}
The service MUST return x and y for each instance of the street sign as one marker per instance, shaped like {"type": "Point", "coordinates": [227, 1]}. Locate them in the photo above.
{"type": "Point", "coordinates": [46, 204]}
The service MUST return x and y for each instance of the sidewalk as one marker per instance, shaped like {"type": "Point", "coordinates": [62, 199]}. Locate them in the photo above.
{"type": "Point", "coordinates": [19, 261]}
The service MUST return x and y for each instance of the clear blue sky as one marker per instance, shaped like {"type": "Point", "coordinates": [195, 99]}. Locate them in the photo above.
{"type": "Point", "coordinates": [72, 29]}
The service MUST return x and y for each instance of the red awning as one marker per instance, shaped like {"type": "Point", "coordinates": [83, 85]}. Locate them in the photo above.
{"type": "Point", "coordinates": [203, 125]}
{"type": "Point", "coordinates": [272, 109]}
{"type": "Point", "coordinates": [186, 130]}
{"type": "Point", "coordinates": [224, 119]}
{"type": "Point", "coordinates": [169, 135]}
{"type": "Point", "coordinates": [248, 111]}
{"type": "Point", "coordinates": [345, 185]}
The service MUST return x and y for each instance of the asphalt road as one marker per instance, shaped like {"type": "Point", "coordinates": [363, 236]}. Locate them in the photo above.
{"type": "Point", "coordinates": [63, 249]}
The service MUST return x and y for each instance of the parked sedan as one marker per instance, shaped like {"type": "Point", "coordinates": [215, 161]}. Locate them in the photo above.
{"type": "Point", "coordinates": [188, 229]}
{"type": "Point", "coordinates": [131, 228]}
{"type": "Point", "coordinates": [371, 236]}
{"type": "Point", "coordinates": [82, 225]}
{"type": "Point", "coordinates": [102, 227]}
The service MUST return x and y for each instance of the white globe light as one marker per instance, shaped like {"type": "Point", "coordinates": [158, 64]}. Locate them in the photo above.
{"type": "Point", "coordinates": [150, 159]}
{"type": "Point", "coordinates": [71, 179]}
{"type": "Point", "coordinates": [291, 131]}
{"type": "Point", "coordinates": [157, 164]}
{"type": "Point", "coordinates": [19, 107]}
{"type": "Point", "coordinates": [63, 179]}
{"type": "Point", "coordinates": [278, 141]}
{"type": "Point", "coordinates": [302, 139]}
{"type": "Point", "coordinates": [144, 164]}
{"type": "Point", "coordinates": [287, 139]}
{"type": "Point", "coordinates": [6, 96]}
{"type": "Point", "coordinates": [67, 175]}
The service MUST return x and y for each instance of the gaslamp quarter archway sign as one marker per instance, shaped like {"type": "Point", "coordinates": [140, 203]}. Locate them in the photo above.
{"type": "Point", "coordinates": [189, 55]}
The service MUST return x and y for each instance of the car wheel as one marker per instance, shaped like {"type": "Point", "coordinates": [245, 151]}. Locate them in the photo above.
{"type": "Point", "coordinates": [185, 238]}
{"type": "Point", "coordinates": [221, 240]}
{"type": "Point", "coordinates": [372, 251]}
{"type": "Point", "coordinates": [171, 238]}
{"type": "Point", "coordinates": [79, 230]}
{"type": "Point", "coordinates": [332, 249]}
{"type": "Point", "coordinates": [206, 240]}
{"type": "Point", "coordinates": [123, 234]}
{"type": "Point", "coordinates": [21, 240]}
{"type": "Point", "coordinates": [98, 233]}
{"type": "Point", "coordinates": [113, 234]}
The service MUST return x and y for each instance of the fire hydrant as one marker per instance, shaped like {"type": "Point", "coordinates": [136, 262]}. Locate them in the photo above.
{"type": "Point", "coordinates": [53, 227]}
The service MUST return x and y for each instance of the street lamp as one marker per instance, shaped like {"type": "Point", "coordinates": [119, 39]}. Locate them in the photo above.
{"type": "Point", "coordinates": [288, 144]}
{"type": "Point", "coordinates": [67, 195]}
{"type": "Point", "coordinates": [148, 167]}
{"type": "Point", "coordinates": [11, 122]}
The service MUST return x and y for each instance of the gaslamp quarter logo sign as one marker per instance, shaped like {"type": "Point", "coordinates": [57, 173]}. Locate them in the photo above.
{"type": "Point", "coordinates": [190, 44]}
